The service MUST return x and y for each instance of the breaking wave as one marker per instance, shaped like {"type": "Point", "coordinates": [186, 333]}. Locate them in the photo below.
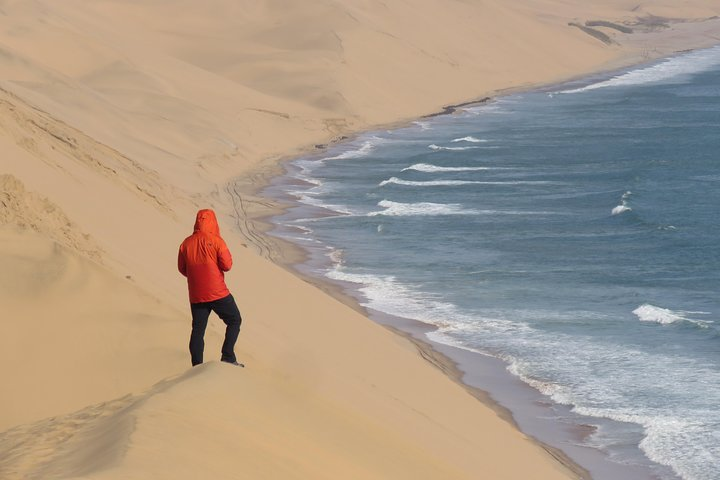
{"type": "Point", "coordinates": [445, 183]}
{"type": "Point", "coordinates": [363, 150]}
{"type": "Point", "coordinates": [432, 146]}
{"type": "Point", "coordinates": [429, 183]}
{"type": "Point", "coordinates": [470, 139]}
{"type": "Point", "coordinates": [425, 167]}
{"type": "Point", "coordinates": [397, 209]}
{"type": "Point", "coordinates": [676, 68]}
{"type": "Point", "coordinates": [623, 207]}
{"type": "Point", "coordinates": [665, 316]}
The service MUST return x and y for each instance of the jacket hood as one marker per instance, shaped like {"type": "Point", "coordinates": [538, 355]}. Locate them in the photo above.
{"type": "Point", "coordinates": [206, 222]}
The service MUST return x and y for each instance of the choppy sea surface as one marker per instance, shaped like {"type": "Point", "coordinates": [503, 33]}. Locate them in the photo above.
{"type": "Point", "coordinates": [573, 233]}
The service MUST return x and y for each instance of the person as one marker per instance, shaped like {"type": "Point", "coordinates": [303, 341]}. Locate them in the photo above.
{"type": "Point", "coordinates": [204, 258]}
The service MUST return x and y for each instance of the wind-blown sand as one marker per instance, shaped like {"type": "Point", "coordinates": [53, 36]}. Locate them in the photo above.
{"type": "Point", "coordinates": [119, 119]}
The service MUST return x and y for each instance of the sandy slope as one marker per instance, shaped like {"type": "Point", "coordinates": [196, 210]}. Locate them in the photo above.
{"type": "Point", "coordinates": [118, 119]}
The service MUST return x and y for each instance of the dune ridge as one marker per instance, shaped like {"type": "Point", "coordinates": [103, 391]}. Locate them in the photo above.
{"type": "Point", "coordinates": [28, 210]}
{"type": "Point", "coordinates": [119, 119]}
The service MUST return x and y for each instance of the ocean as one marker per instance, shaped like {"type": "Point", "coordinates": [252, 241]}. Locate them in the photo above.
{"type": "Point", "coordinates": [572, 233]}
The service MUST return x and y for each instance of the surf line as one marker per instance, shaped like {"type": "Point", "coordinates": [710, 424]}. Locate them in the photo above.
{"type": "Point", "coordinates": [453, 108]}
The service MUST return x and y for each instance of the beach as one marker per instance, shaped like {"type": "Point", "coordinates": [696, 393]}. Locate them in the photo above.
{"type": "Point", "coordinates": [120, 120]}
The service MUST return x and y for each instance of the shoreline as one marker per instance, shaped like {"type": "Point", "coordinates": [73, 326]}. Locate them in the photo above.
{"type": "Point", "coordinates": [244, 189]}
{"type": "Point", "coordinates": [293, 257]}
{"type": "Point", "coordinates": [483, 376]}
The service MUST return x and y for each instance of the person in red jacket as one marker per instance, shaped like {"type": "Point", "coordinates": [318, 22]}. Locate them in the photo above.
{"type": "Point", "coordinates": [204, 258]}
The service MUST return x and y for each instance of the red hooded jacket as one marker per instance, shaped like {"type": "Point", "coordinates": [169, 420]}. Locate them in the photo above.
{"type": "Point", "coordinates": [203, 258]}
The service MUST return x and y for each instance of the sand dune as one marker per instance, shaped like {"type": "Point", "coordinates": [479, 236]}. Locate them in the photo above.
{"type": "Point", "coordinates": [119, 119]}
{"type": "Point", "coordinates": [307, 434]}
{"type": "Point", "coordinates": [67, 325]}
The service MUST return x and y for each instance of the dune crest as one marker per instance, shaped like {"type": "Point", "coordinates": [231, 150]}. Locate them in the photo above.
{"type": "Point", "coordinates": [28, 210]}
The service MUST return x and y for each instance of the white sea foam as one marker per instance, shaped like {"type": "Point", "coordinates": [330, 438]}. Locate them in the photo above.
{"type": "Point", "coordinates": [432, 146]}
{"type": "Point", "coordinates": [623, 207]}
{"type": "Point", "coordinates": [470, 139]}
{"type": "Point", "coordinates": [423, 125]}
{"type": "Point", "coordinates": [669, 440]}
{"type": "Point", "coordinates": [312, 180]}
{"type": "Point", "coordinates": [651, 313]}
{"type": "Point", "coordinates": [665, 316]}
{"type": "Point", "coordinates": [382, 293]}
{"type": "Point", "coordinates": [310, 200]}
{"type": "Point", "coordinates": [493, 108]}
{"type": "Point", "coordinates": [318, 187]}
{"type": "Point", "coordinates": [385, 293]}
{"type": "Point", "coordinates": [443, 183]}
{"type": "Point", "coordinates": [302, 239]}
{"type": "Point", "coordinates": [365, 149]}
{"type": "Point", "coordinates": [675, 69]}
{"type": "Point", "coordinates": [425, 167]}
{"type": "Point", "coordinates": [397, 209]}
{"type": "Point", "coordinates": [304, 229]}
{"type": "Point", "coordinates": [429, 183]}
{"type": "Point", "coordinates": [620, 209]}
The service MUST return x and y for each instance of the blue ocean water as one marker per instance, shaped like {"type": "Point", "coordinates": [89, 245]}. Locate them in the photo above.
{"type": "Point", "coordinates": [572, 232]}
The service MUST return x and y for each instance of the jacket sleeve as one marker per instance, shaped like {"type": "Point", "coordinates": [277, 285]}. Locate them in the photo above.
{"type": "Point", "coordinates": [224, 257]}
{"type": "Point", "coordinates": [182, 266]}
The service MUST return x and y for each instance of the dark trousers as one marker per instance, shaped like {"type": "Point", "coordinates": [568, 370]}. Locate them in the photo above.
{"type": "Point", "coordinates": [227, 310]}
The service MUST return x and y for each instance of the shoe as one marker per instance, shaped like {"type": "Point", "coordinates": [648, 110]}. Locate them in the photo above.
{"type": "Point", "coordinates": [237, 364]}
